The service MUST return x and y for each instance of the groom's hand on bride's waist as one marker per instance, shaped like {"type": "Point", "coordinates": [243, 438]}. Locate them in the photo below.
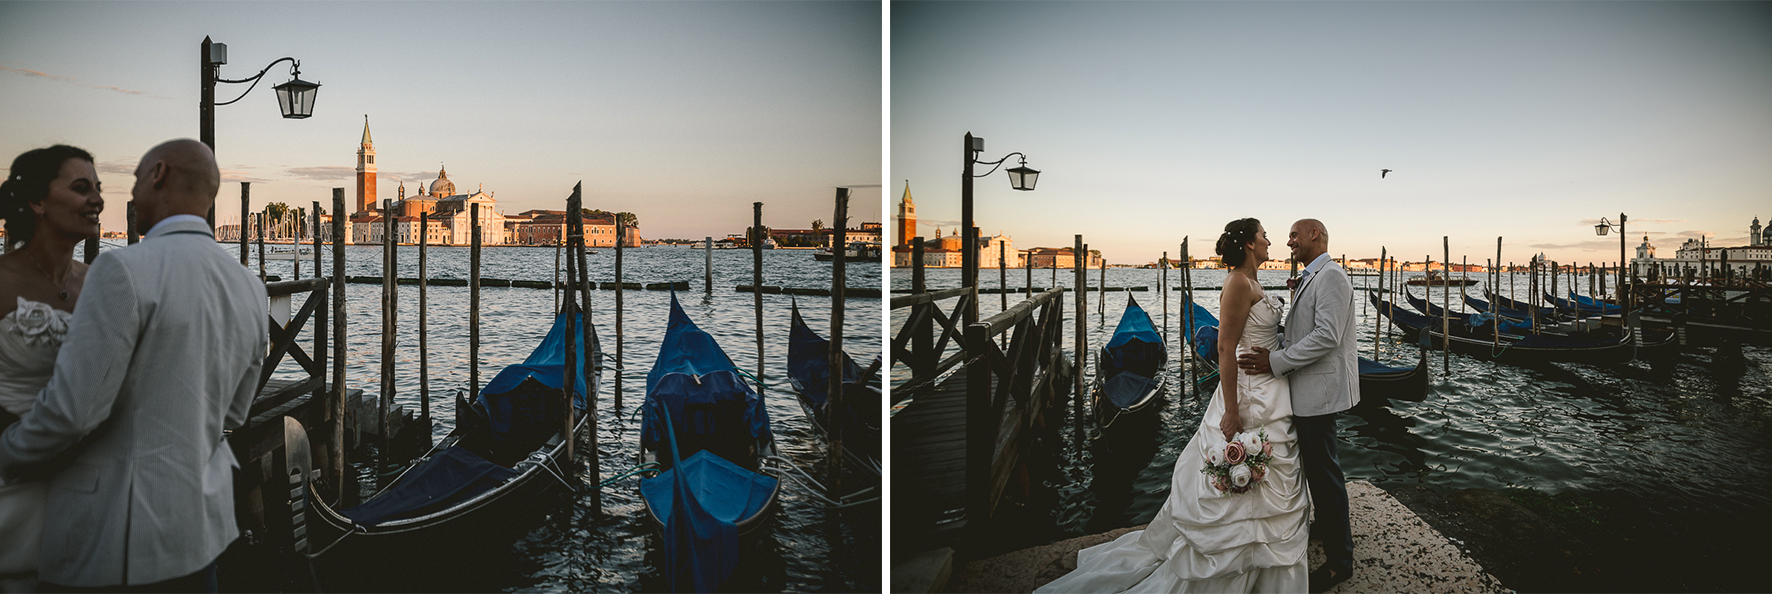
{"type": "Point", "coordinates": [1254, 363]}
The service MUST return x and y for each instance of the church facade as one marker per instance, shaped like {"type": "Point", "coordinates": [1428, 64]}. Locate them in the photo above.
{"type": "Point", "coordinates": [437, 211]}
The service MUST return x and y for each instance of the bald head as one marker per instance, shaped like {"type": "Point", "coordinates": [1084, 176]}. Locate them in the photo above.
{"type": "Point", "coordinates": [1308, 239]}
{"type": "Point", "coordinates": [176, 177]}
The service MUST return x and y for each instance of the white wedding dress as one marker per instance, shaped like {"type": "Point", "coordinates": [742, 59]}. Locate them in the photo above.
{"type": "Point", "coordinates": [29, 339]}
{"type": "Point", "coordinates": [1203, 540]}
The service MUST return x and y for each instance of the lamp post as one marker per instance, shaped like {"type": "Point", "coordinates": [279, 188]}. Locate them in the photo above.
{"type": "Point", "coordinates": [1601, 230]}
{"type": "Point", "coordinates": [295, 98]}
{"type": "Point", "coordinates": [1021, 177]}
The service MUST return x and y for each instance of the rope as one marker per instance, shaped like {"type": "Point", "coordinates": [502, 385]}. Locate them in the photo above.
{"type": "Point", "coordinates": [355, 529]}
{"type": "Point", "coordinates": [636, 469]}
{"type": "Point", "coordinates": [541, 459]}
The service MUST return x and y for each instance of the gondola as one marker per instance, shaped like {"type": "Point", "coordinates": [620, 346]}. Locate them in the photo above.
{"type": "Point", "coordinates": [1128, 370]}
{"type": "Point", "coordinates": [1588, 308]}
{"type": "Point", "coordinates": [506, 442]}
{"type": "Point", "coordinates": [809, 373]}
{"type": "Point", "coordinates": [1525, 309]}
{"type": "Point", "coordinates": [1398, 383]}
{"type": "Point", "coordinates": [708, 432]}
{"type": "Point", "coordinates": [1435, 279]}
{"type": "Point", "coordinates": [1513, 348]}
{"type": "Point", "coordinates": [1380, 381]}
{"type": "Point", "coordinates": [1476, 304]}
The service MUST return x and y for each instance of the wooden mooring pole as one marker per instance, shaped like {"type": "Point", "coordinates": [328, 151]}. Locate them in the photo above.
{"type": "Point", "coordinates": [245, 215]}
{"type": "Point", "coordinates": [474, 303]}
{"type": "Point", "coordinates": [424, 353]}
{"type": "Point", "coordinates": [585, 333]}
{"type": "Point", "coordinates": [834, 390]}
{"type": "Point", "coordinates": [1163, 290]}
{"type": "Point", "coordinates": [134, 233]}
{"type": "Point", "coordinates": [336, 407]}
{"type": "Point", "coordinates": [319, 270]}
{"type": "Point", "coordinates": [1187, 317]}
{"type": "Point", "coordinates": [757, 238]}
{"type": "Point", "coordinates": [389, 325]}
{"type": "Point", "coordinates": [621, 236]}
{"type": "Point", "coordinates": [707, 265]}
{"type": "Point", "coordinates": [295, 245]}
{"type": "Point", "coordinates": [1376, 319]}
{"type": "Point", "coordinates": [1081, 342]}
{"type": "Point", "coordinates": [1445, 304]}
{"type": "Point", "coordinates": [922, 338]}
{"type": "Point", "coordinates": [260, 219]}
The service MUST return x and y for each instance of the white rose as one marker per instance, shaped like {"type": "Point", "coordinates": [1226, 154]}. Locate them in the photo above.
{"type": "Point", "coordinates": [1240, 475]}
{"type": "Point", "coordinates": [1250, 441]}
{"type": "Point", "coordinates": [38, 323]}
{"type": "Point", "coordinates": [1215, 454]}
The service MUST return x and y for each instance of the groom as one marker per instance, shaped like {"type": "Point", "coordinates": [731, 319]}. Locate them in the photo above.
{"type": "Point", "coordinates": [1319, 359]}
{"type": "Point", "coordinates": [162, 355]}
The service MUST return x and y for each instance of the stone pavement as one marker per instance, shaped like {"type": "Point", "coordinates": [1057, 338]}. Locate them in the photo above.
{"type": "Point", "coordinates": [1394, 551]}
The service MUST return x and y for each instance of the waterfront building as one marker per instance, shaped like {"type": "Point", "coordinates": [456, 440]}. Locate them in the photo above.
{"type": "Point", "coordinates": [366, 171]}
{"type": "Point", "coordinates": [999, 245]}
{"type": "Point", "coordinates": [907, 219]}
{"type": "Point", "coordinates": [1697, 257]}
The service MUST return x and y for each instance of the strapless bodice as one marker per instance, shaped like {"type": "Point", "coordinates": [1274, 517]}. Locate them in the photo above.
{"type": "Point", "coordinates": [1263, 327]}
{"type": "Point", "coordinates": [30, 336]}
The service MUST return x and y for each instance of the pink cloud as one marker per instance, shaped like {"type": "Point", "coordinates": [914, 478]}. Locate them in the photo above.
{"type": "Point", "coordinates": [69, 79]}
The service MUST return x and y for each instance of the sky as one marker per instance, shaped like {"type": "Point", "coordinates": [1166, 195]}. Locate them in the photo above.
{"type": "Point", "coordinates": [1523, 120]}
{"type": "Point", "coordinates": [683, 113]}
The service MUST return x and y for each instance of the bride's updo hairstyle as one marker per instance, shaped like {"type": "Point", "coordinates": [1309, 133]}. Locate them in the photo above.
{"type": "Point", "coordinates": [1236, 237]}
{"type": "Point", "coordinates": [27, 183]}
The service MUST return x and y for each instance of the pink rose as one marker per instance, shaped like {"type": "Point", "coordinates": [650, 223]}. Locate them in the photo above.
{"type": "Point", "coordinates": [1234, 453]}
{"type": "Point", "coordinates": [1267, 448]}
{"type": "Point", "coordinates": [1259, 473]}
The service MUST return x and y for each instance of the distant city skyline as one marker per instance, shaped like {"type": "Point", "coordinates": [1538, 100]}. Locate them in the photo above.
{"type": "Point", "coordinates": [683, 113]}
{"type": "Point", "coordinates": [1154, 121]}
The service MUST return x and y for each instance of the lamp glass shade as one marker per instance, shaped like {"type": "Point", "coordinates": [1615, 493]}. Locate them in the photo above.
{"type": "Point", "coordinates": [1601, 229]}
{"type": "Point", "coordinates": [296, 98]}
{"type": "Point", "coordinates": [1023, 178]}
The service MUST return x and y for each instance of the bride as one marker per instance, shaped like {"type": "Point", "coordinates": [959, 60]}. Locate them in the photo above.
{"type": "Point", "coordinates": [1204, 539]}
{"type": "Point", "coordinates": [50, 202]}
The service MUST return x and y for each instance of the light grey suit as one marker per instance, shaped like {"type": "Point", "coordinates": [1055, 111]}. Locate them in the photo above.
{"type": "Point", "coordinates": [1321, 364]}
{"type": "Point", "coordinates": [1319, 358]}
{"type": "Point", "coordinates": [163, 353]}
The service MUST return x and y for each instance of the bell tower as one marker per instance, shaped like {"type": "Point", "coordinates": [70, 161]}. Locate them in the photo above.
{"type": "Point", "coordinates": [366, 171]}
{"type": "Point", "coordinates": [907, 218]}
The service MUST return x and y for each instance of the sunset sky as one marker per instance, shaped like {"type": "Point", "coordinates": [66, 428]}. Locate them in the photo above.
{"type": "Point", "coordinates": [684, 113]}
{"type": "Point", "coordinates": [1528, 120]}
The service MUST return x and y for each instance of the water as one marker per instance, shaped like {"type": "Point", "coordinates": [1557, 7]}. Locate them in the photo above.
{"type": "Point", "coordinates": [562, 548]}
{"type": "Point", "coordinates": [1688, 441]}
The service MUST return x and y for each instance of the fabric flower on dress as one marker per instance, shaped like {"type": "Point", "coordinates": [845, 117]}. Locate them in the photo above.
{"type": "Point", "coordinates": [39, 323]}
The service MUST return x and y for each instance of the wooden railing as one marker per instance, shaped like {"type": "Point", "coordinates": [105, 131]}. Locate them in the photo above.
{"type": "Point", "coordinates": [920, 347]}
{"type": "Point", "coordinates": [994, 377]}
{"type": "Point", "coordinates": [284, 344]}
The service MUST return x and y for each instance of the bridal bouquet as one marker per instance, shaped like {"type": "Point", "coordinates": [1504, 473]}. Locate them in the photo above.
{"type": "Point", "coordinates": [1238, 465]}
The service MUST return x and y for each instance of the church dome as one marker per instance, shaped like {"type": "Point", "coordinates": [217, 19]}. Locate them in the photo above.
{"type": "Point", "coordinates": [442, 188]}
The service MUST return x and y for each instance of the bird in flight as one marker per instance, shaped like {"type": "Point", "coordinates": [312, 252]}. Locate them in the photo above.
{"type": "Point", "coordinates": [1381, 173]}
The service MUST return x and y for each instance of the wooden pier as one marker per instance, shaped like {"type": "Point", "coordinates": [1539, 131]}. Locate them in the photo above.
{"type": "Point", "coordinates": [964, 417]}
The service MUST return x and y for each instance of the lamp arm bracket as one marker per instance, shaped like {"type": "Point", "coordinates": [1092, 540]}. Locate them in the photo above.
{"type": "Point", "coordinates": [254, 79]}
{"type": "Point", "coordinates": [997, 163]}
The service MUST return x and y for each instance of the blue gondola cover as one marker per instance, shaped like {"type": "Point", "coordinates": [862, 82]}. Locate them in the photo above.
{"type": "Point", "coordinates": [450, 476]}
{"type": "Point", "coordinates": [691, 395]}
{"type": "Point", "coordinates": [1132, 358]}
{"type": "Point", "coordinates": [808, 362]}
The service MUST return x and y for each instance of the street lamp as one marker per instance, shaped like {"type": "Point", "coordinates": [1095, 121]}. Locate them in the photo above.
{"type": "Point", "coordinates": [1601, 230]}
{"type": "Point", "coordinates": [295, 98]}
{"type": "Point", "coordinates": [1021, 178]}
